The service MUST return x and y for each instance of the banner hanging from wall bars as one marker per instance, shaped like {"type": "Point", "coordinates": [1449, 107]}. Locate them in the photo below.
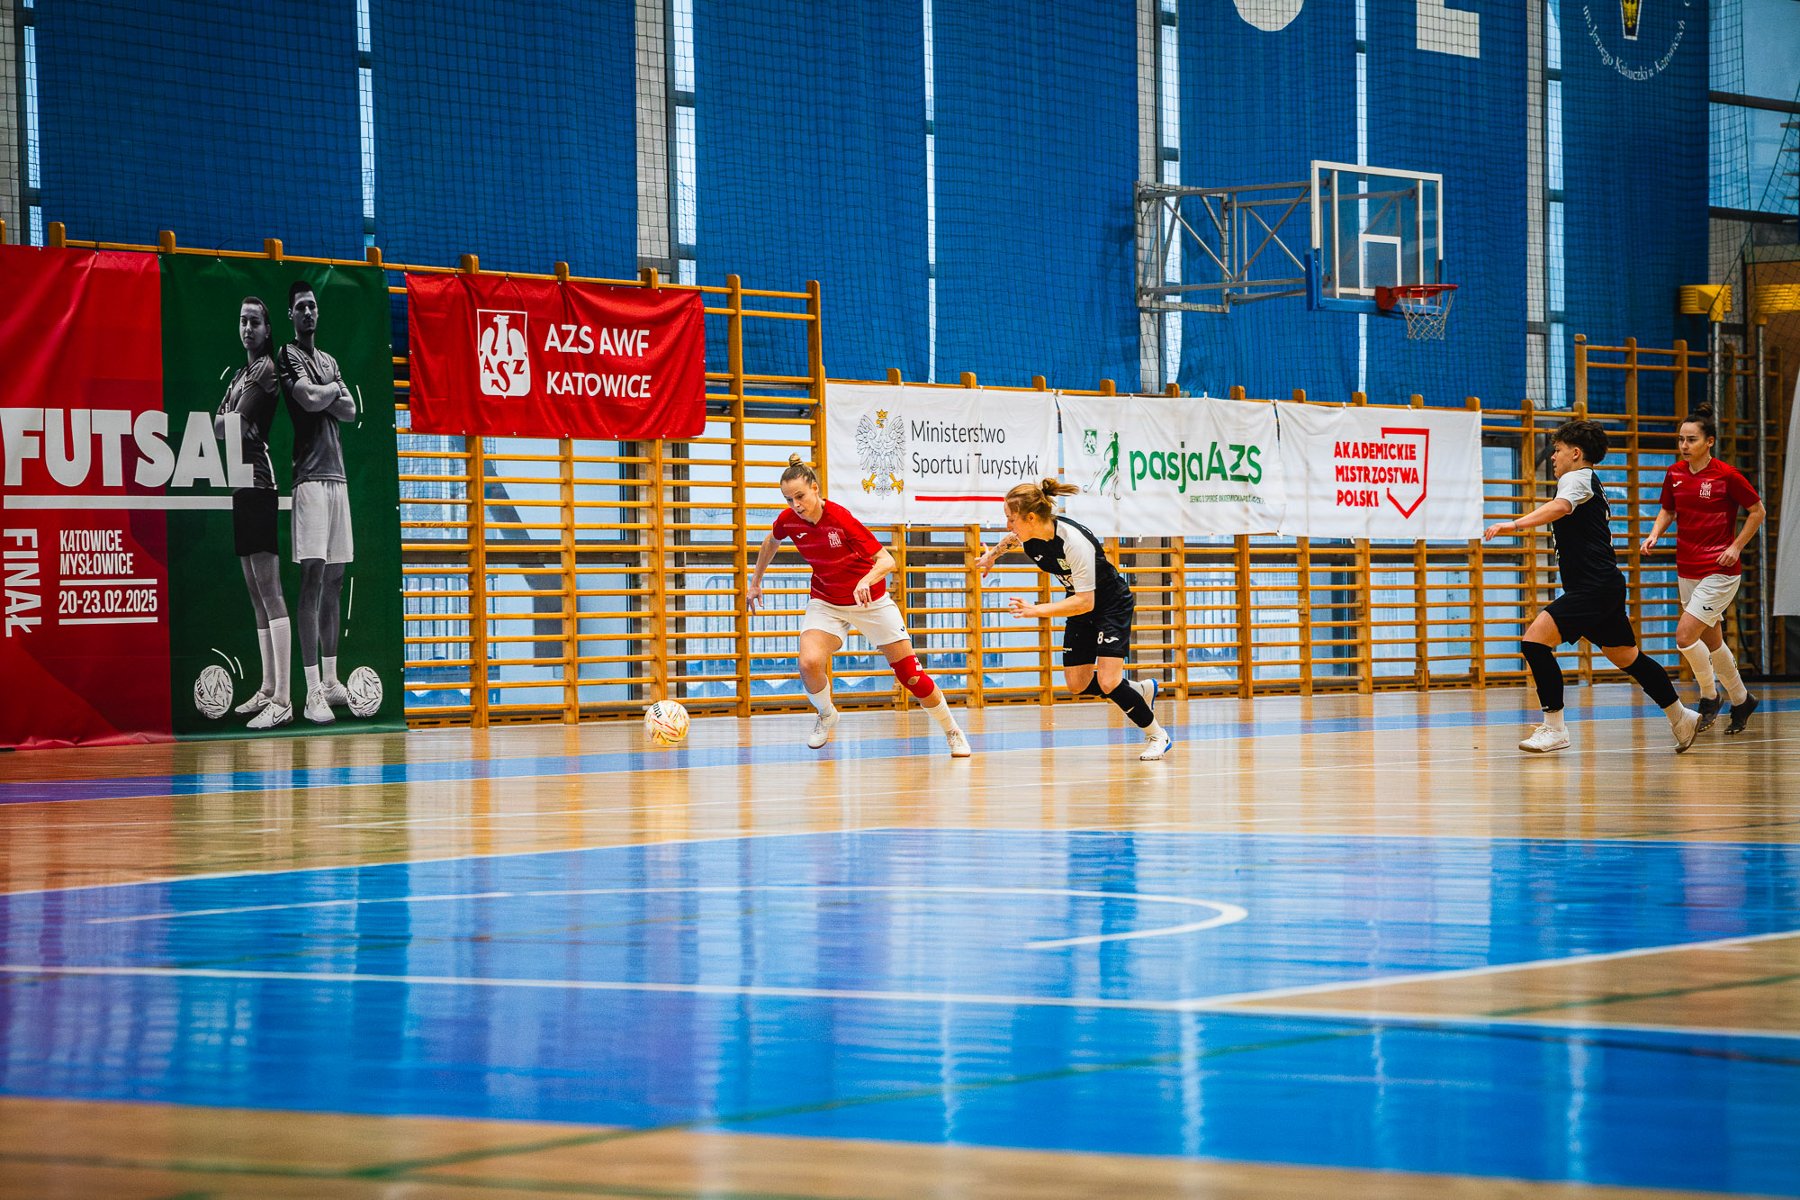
{"type": "Point", "coordinates": [1357, 472]}
{"type": "Point", "coordinates": [495, 356]}
{"type": "Point", "coordinates": [196, 507]}
{"type": "Point", "coordinates": [1150, 466]}
{"type": "Point", "coordinates": [905, 455]}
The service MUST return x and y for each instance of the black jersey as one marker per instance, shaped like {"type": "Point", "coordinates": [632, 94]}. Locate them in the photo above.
{"type": "Point", "coordinates": [1584, 549]}
{"type": "Point", "coordinates": [251, 395]}
{"type": "Point", "coordinates": [318, 454]}
{"type": "Point", "coordinates": [1076, 557]}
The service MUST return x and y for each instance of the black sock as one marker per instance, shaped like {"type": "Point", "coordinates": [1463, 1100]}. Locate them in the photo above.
{"type": "Point", "coordinates": [1093, 688]}
{"type": "Point", "coordinates": [1653, 679]}
{"type": "Point", "coordinates": [1545, 673]}
{"type": "Point", "coordinates": [1131, 702]}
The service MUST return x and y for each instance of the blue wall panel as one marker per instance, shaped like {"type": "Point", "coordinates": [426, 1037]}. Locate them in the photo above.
{"type": "Point", "coordinates": [810, 132]}
{"type": "Point", "coordinates": [1634, 169]}
{"type": "Point", "coordinates": [1036, 157]}
{"type": "Point", "coordinates": [506, 129]}
{"type": "Point", "coordinates": [1257, 107]}
{"type": "Point", "coordinates": [227, 123]}
{"type": "Point", "coordinates": [1464, 118]}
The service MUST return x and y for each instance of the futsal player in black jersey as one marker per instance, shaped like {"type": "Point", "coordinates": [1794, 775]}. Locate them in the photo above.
{"type": "Point", "coordinates": [1098, 604]}
{"type": "Point", "coordinates": [251, 395]}
{"type": "Point", "coordinates": [1592, 605]}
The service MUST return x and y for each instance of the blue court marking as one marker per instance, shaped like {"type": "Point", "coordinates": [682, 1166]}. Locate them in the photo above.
{"type": "Point", "coordinates": [455, 988]}
{"type": "Point", "coordinates": [781, 753]}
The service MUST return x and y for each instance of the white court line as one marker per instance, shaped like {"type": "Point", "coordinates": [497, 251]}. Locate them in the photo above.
{"type": "Point", "coordinates": [1209, 772]}
{"type": "Point", "coordinates": [591, 985]}
{"type": "Point", "coordinates": [1314, 989]}
{"type": "Point", "coordinates": [414, 862]}
{"type": "Point", "coordinates": [1226, 914]}
{"type": "Point", "coordinates": [253, 908]}
{"type": "Point", "coordinates": [1516, 1020]}
{"type": "Point", "coordinates": [1180, 1007]}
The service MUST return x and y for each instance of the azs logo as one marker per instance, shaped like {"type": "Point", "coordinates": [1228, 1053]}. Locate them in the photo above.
{"type": "Point", "coordinates": [502, 352]}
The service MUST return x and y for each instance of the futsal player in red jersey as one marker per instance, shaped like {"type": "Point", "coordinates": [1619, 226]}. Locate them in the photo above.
{"type": "Point", "coordinates": [849, 591]}
{"type": "Point", "coordinates": [1702, 496]}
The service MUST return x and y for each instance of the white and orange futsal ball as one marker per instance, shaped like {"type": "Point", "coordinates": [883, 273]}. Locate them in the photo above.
{"type": "Point", "coordinates": [666, 722]}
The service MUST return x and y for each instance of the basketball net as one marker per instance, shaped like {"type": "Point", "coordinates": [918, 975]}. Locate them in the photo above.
{"type": "Point", "coordinates": [1426, 308]}
{"type": "Point", "coordinates": [1429, 319]}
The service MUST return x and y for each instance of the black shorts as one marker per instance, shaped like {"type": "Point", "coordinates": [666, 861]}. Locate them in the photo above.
{"type": "Point", "coordinates": [1095, 635]}
{"type": "Point", "coordinates": [253, 521]}
{"type": "Point", "coordinates": [1597, 616]}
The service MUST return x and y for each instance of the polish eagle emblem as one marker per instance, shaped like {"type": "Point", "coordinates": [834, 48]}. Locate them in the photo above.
{"type": "Point", "coordinates": [881, 447]}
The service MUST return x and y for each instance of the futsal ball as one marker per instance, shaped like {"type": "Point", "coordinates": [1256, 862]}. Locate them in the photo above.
{"type": "Point", "coordinates": [364, 686]}
{"type": "Point", "coordinates": [666, 722]}
{"type": "Point", "coordinates": [212, 691]}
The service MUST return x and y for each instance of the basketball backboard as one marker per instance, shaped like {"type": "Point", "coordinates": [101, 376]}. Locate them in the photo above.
{"type": "Point", "coordinates": [1372, 227]}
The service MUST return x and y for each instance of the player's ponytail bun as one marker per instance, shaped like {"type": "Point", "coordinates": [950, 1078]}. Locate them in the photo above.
{"type": "Point", "coordinates": [799, 468]}
{"type": "Point", "coordinates": [1703, 417]}
{"type": "Point", "coordinates": [1038, 499]}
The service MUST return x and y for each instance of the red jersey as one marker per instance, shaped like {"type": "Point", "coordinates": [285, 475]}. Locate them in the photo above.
{"type": "Point", "coordinates": [840, 549]}
{"type": "Point", "coordinates": [1705, 504]}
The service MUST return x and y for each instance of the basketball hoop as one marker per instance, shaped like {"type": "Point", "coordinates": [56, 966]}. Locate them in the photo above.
{"type": "Point", "coordinates": [1426, 307]}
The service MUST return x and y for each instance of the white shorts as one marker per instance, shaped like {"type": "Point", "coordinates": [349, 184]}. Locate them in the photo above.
{"type": "Point", "coordinates": [321, 522]}
{"type": "Point", "coordinates": [1707, 599]}
{"type": "Point", "coordinates": [880, 622]}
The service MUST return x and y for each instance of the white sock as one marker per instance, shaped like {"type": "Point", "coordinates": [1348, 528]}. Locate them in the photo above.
{"type": "Point", "coordinates": [281, 657]}
{"type": "Point", "coordinates": [1555, 721]}
{"type": "Point", "coordinates": [1724, 664]}
{"type": "Point", "coordinates": [262, 644]}
{"type": "Point", "coordinates": [1675, 712]}
{"type": "Point", "coordinates": [1155, 727]}
{"type": "Point", "coordinates": [821, 700]}
{"type": "Point", "coordinates": [328, 667]}
{"type": "Point", "coordinates": [312, 676]}
{"type": "Point", "coordinates": [940, 712]}
{"type": "Point", "coordinates": [1700, 663]}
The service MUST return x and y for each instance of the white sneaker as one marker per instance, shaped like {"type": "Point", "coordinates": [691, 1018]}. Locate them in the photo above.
{"type": "Point", "coordinates": [1544, 739]}
{"type": "Point", "coordinates": [1147, 688]}
{"type": "Point", "coordinates": [822, 731]}
{"type": "Point", "coordinates": [271, 716]}
{"type": "Point", "coordinates": [1156, 744]}
{"type": "Point", "coordinates": [335, 694]}
{"type": "Point", "coordinates": [1686, 726]}
{"type": "Point", "coordinates": [959, 743]}
{"type": "Point", "coordinates": [255, 704]}
{"type": "Point", "coordinates": [317, 710]}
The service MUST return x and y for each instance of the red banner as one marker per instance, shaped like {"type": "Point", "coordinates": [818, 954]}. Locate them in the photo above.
{"type": "Point", "coordinates": [537, 358]}
{"type": "Point", "coordinates": [84, 644]}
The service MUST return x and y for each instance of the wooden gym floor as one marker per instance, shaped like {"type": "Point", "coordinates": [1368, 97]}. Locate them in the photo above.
{"type": "Point", "coordinates": [1347, 946]}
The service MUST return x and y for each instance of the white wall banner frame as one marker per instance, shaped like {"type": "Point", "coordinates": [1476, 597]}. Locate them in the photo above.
{"type": "Point", "coordinates": [900, 454]}
{"type": "Point", "coordinates": [1154, 466]}
{"type": "Point", "coordinates": [1787, 550]}
{"type": "Point", "coordinates": [1352, 472]}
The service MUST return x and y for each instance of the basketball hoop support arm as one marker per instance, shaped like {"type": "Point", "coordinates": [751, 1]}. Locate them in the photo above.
{"type": "Point", "coordinates": [1235, 235]}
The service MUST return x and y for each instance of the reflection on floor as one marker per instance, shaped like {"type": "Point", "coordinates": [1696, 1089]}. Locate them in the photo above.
{"type": "Point", "coordinates": [1341, 945]}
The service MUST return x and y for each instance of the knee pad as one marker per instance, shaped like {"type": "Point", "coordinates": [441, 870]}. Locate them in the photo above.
{"type": "Point", "coordinates": [912, 676]}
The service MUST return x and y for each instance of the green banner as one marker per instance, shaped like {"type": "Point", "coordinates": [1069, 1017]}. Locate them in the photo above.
{"type": "Point", "coordinates": [284, 562]}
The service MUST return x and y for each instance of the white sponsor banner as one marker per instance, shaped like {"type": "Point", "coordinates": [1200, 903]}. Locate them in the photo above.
{"type": "Point", "coordinates": [1381, 472]}
{"type": "Point", "coordinates": [1153, 466]}
{"type": "Point", "coordinates": [1787, 550]}
{"type": "Point", "coordinates": [934, 456]}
